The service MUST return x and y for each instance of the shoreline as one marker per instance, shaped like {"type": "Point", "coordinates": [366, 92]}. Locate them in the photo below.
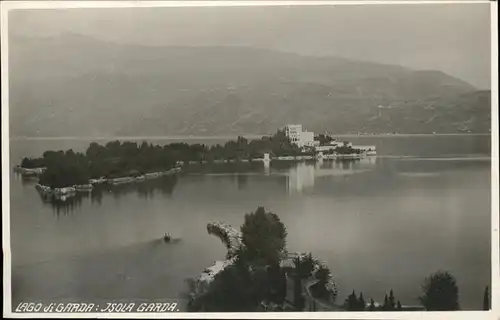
{"type": "Point", "coordinates": [35, 172]}
{"type": "Point", "coordinates": [221, 137]}
{"type": "Point", "coordinates": [70, 191]}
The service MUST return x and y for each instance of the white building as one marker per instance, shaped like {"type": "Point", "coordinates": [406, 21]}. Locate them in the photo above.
{"type": "Point", "coordinates": [293, 132]}
{"type": "Point", "coordinates": [307, 139]}
{"type": "Point", "coordinates": [299, 137]}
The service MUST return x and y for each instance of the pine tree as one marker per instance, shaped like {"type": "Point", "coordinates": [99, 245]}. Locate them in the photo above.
{"type": "Point", "coordinates": [351, 302]}
{"type": "Point", "coordinates": [372, 305]}
{"type": "Point", "coordinates": [361, 302]}
{"type": "Point", "coordinates": [385, 307]}
{"type": "Point", "coordinates": [392, 301]}
{"type": "Point", "coordinates": [486, 299]}
{"type": "Point", "coordinates": [399, 307]}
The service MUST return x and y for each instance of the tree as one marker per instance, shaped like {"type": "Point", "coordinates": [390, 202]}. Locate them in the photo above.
{"type": "Point", "coordinates": [276, 284]}
{"type": "Point", "coordinates": [255, 281]}
{"type": "Point", "coordinates": [399, 307]}
{"type": "Point", "coordinates": [361, 303]}
{"type": "Point", "coordinates": [226, 294]}
{"type": "Point", "coordinates": [372, 305]}
{"type": "Point", "coordinates": [32, 163]}
{"type": "Point", "coordinates": [303, 269]}
{"type": "Point", "coordinates": [264, 237]}
{"type": "Point", "coordinates": [65, 169]}
{"type": "Point", "coordinates": [323, 139]}
{"type": "Point", "coordinates": [392, 301]}
{"type": "Point", "coordinates": [323, 276]}
{"type": "Point", "coordinates": [351, 302]}
{"type": "Point", "coordinates": [486, 299]}
{"type": "Point", "coordinates": [304, 266]}
{"type": "Point", "coordinates": [25, 163]}
{"type": "Point", "coordinates": [385, 307]}
{"type": "Point", "coordinates": [440, 292]}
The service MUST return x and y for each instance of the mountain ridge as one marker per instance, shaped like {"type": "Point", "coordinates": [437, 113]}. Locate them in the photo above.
{"type": "Point", "coordinates": [77, 86]}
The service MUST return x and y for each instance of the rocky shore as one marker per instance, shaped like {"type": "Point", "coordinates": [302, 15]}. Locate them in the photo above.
{"type": "Point", "coordinates": [64, 193]}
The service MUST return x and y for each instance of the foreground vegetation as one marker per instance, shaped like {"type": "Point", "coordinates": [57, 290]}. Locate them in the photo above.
{"type": "Point", "coordinates": [255, 278]}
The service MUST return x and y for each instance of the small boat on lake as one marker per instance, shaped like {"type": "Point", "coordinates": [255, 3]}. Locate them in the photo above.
{"type": "Point", "coordinates": [167, 237]}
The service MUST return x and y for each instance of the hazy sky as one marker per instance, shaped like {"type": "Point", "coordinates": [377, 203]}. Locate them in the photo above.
{"type": "Point", "coordinates": [454, 38]}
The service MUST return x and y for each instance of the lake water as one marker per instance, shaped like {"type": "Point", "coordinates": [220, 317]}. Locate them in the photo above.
{"type": "Point", "coordinates": [422, 205]}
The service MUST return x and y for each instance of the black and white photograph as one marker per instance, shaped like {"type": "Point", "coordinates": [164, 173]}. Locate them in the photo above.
{"type": "Point", "coordinates": [167, 158]}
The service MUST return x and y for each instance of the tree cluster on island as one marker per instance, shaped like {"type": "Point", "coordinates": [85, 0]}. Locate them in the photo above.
{"type": "Point", "coordinates": [323, 138]}
{"type": "Point", "coordinates": [345, 149]}
{"type": "Point", "coordinates": [31, 163]}
{"type": "Point", "coordinates": [121, 159]}
{"type": "Point", "coordinates": [117, 159]}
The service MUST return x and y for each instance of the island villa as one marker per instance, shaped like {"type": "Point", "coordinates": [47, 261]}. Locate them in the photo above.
{"type": "Point", "coordinates": [307, 140]}
{"type": "Point", "coordinates": [299, 137]}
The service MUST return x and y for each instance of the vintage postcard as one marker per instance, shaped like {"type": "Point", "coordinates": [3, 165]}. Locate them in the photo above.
{"type": "Point", "coordinates": [250, 159]}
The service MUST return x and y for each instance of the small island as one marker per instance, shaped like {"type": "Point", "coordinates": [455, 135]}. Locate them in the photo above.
{"type": "Point", "coordinates": [64, 173]}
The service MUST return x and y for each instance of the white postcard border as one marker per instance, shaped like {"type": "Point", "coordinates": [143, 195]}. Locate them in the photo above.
{"type": "Point", "coordinates": [495, 277]}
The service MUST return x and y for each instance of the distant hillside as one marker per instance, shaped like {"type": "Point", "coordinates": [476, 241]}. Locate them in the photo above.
{"type": "Point", "coordinates": [74, 85]}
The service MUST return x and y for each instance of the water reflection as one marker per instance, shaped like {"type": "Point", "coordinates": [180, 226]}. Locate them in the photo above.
{"type": "Point", "coordinates": [295, 177]}
{"type": "Point", "coordinates": [147, 189]}
{"type": "Point", "coordinates": [267, 167]}
{"type": "Point", "coordinates": [302, 176]}
{"type": "Point", "coordinates": [223, 168]}
{"type": "Point", "coordinates": [299, 176]}
{"type": "Point", "coordinates": [442, 222]}
{"type": "Point", "coordinates": [63, 205]}
{"type": "Point", "coordinates": [26, 181]}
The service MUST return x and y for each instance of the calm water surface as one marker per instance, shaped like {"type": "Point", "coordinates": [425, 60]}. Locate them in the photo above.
{"type": "Point", "coordinates": [381, 223]}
